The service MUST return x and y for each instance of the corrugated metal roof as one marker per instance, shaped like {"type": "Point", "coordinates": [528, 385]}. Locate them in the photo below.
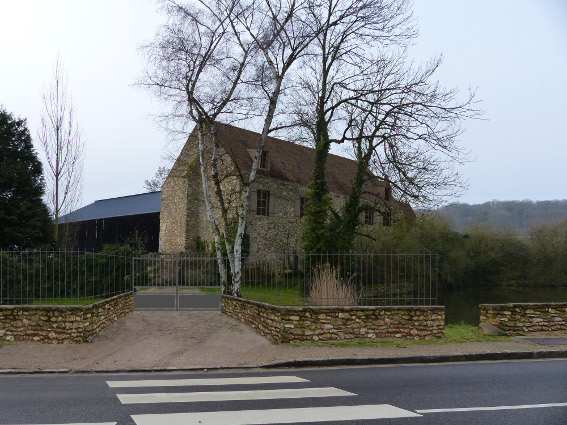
{"type": "Point", "coordinates": [143, 203]}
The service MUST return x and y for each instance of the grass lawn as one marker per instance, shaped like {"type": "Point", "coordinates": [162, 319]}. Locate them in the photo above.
{"type": "Point", "coordinates": [206, 289]}
{"type": "Point", "coordinates": [68, 301]}
{"type": "Point", "coordinates": [453, 334]}
{"type": "Point", "coordinates": [275, 295]}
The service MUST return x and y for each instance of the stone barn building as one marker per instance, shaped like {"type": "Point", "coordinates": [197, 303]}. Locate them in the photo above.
{"type": "Point", "coordinates": [277, 195]}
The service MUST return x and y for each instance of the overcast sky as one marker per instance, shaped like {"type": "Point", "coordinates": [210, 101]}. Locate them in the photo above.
{"type": "Point", "coordinates": [514, 52]}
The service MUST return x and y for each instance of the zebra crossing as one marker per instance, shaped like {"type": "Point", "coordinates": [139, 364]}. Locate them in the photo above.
{"type": "Point", "coordinates": [146, 393]}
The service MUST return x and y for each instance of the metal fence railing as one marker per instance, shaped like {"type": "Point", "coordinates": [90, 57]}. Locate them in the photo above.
{"type": "Point", "coordinates": [342, 279]}
{"type": "Point", "coordinates": [76, 278]}
{"type": "Point", "coordinates": [61, 277]}
{"type": "Point", "coordinates": [185, 271]}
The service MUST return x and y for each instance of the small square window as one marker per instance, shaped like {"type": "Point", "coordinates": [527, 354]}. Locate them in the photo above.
{"type": "Point", "coordinates": [369, 217]}
{"type": "Point", "coordinates": [284, 165]}
{"type": "Point", "coordinates": [300, 169]}
{"type": "Point", "coordinates": [262, 202]}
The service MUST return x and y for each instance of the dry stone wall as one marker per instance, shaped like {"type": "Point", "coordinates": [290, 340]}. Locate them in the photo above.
{"type": "Point", "coordinates": [517, 319]}
{"type": "Point", "coordinates": [299, 324]}
{"type": "Point", "coordinates": [62, 324]}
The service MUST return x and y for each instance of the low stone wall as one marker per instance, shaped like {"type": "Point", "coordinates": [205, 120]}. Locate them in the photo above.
{"type": "Point", "coordinates": [62, 324]}
{"type": "Point", "coordinates": [298, 324]}
{"type": "Point", "coordinates": [517, 319]}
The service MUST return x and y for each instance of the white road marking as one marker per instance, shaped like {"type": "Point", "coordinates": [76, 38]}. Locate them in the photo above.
{"type": "Point", "coordinates": [231, 395]}
{"type": "Point", "coordinates": [86, 423]}
{"type": "Point", "coordinates": [473, 409]}
{"type": "Point", "coordinates": [205, 381]}
{"type": "Point", "coordinates": [277, 416]}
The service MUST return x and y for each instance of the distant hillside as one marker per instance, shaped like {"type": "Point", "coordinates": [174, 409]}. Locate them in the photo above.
{"type": "Point", "coordinates": [516, 215]}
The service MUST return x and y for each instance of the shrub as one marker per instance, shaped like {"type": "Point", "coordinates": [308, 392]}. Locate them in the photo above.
{"type": "Point", "coordinates": [328, 288]}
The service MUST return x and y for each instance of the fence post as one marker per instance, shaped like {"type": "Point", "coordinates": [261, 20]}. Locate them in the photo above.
{"type": "Point", "coordinates": [177, 282]}
{"type": "Point", "coordinates": [132, 273]}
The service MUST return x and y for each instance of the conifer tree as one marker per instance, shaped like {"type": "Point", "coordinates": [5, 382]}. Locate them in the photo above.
{"type": "Point", "coordinates": [24, 217]}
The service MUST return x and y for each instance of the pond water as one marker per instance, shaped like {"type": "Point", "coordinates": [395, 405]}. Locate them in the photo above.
{"type": "Point", "coordinates": [461, 305]}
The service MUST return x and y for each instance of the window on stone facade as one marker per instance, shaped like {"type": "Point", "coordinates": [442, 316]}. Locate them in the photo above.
{"type": "Point", "coordinates": [262, 202]}
{"type": "Point", "coordinates": [387, 218]}
{"type": "Point", "coordinates": [369, 217]}
{"type": "Point", "coordinates": [302, 202]}
{"type": "Point", "coordinates": [284, 165]}
{"type": "Point", "coordinates": [300, 169]}
{"type": "Point", "coordinates": [387, 193]}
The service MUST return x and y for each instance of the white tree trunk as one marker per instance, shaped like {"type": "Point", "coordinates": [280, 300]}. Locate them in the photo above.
{"type": "Point", "coordinates": [245, 197]}
{"type": "Point", "coordinates": [207, 197]}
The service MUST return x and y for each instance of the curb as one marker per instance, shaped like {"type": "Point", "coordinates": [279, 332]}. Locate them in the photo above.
{"type": "Point", "coordinates": [305, 363]}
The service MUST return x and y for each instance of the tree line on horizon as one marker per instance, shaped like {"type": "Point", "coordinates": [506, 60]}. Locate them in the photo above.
{"type": "Point", "coordinates": [518, 216]}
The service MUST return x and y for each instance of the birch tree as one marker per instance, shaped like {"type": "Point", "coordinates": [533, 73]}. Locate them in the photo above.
{"type": "Point", "coordinates": [224, 60]}
{"type": "Point", "coordinates": [63, 146]}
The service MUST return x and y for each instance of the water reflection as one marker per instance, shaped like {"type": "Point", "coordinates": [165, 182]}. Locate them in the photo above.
{"type": "Point", "coordinates": [461, 305]}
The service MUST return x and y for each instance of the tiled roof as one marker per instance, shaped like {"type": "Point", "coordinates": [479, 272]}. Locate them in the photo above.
{"type": "Point", "coordinates": [143, 203]}
{"type": "Point", "coordinates": [294, 163]}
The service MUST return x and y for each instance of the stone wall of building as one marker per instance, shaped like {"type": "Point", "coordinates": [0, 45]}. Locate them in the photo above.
{"type": "Point", "coordinates": [184, 222]}
{"type": "Point", "coordinates": [518, 319]}
{"type": "Point", "coordinates": [299, 324]}
{"type": "Point", "coordinates": [62, 324]}
{"type": "Point", "coordinates": [174, 208]}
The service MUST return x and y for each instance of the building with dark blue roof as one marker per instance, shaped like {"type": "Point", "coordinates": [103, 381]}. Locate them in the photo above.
{"type": "Point", "coordinates": [116, 220]}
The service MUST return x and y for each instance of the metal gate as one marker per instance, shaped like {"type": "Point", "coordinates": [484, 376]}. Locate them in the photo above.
{"type": "Point", "coordinates": [176, 283]}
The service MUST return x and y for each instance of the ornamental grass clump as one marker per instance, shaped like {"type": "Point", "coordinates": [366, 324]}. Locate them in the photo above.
{"type": "Point", "coordinates": [328, 288]}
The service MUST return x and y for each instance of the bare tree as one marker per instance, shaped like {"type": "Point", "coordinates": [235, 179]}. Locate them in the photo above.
{"type": "Point", "coordinates": [156, 182]}
{"type": "Point", "coordinates": [357, 90]}
{"type": "Point", "coordinates": [225, 60]}
{"type": "Point", "coordinates": [63, 146]}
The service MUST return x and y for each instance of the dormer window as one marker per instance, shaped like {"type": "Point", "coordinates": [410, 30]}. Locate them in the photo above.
{"type": "Point", "coordinates": [264, 163]}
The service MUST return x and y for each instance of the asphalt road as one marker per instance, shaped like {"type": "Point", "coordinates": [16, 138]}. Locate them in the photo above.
{"type": "Point", "coordinates": [515, 393]}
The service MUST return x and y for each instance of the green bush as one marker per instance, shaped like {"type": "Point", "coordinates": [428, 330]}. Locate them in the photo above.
{"type": "Point", "coordinates": [480, 255]}
{"type": "Point", "coordinates": [34, 275]}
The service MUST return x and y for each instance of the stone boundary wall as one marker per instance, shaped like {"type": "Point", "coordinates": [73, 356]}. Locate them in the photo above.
{"type": "Point", "coordinates": [520, 318]}
{"type": "Point", "coordinates": [62, 324]}
{"type": "Point", "coordinates": [306, 323]}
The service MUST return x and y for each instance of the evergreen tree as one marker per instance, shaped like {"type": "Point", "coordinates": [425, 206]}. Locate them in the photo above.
{"type": "Point", "coordinates": [24, 217]}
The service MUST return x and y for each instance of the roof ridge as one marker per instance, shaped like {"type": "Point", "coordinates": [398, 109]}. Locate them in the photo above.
{"type": "Point", "coordinates": [125, 196]}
